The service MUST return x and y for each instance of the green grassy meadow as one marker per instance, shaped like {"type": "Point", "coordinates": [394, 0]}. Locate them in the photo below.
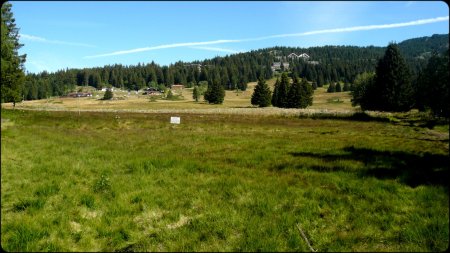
{"type": "Point", "coordinates": [105, 181]}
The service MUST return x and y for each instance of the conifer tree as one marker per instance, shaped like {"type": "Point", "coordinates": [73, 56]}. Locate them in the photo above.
{"type": "Point", "coordinates": [433, 86]}
{"type": "Point", "coordinates": [108, 94]}
{"type": "Point", "coordinates": [338, 87]}
{"type": "Point", "coordinates": [215, 93]}
{"type": "Point", "coordinates": [295, 94]}
{"type": "Point", "coordinates": [12, 74]}
{"type": "Point", "coordinates": [196, 93]}
{"type": "Point", "coordinates": [307, 94]}
{"type": "Point", "coordinates": [283, 89]}
{"type": "Point", "coordinates": [331, 88]}
{"type": "Point", "coordinates": [262, 94]}
{"type": "Point", "coordinates": [393, 82]}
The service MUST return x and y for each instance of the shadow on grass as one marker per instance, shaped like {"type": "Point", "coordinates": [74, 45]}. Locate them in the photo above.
{"type": "Point", "coordinates": [410, 169]}
{"type": "Point", "coordinates": [420, 119]}
{"type": "Point", "coordinates": [357, 116]}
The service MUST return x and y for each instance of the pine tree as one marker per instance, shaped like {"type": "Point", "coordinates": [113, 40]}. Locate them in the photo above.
{"type": "Point", "coordinates": [283, 89]}
{"type": "Point", "coordinates": [433, 86]}
{"type": "Point", "coordinates": [320, 80]}
{"type": "Point", "coordinates": [108, 95]}
{"type": "Point", "coordinates": [262, 94]}
{"type": "Point", "coordinates": [393, 82]}
{"type": "Point", "coordinates": [215, 93]}
{"type": "Point", "coordinates": [331, 88]}
{"type": "Point", "coordinates": [307, 94]}
{"type": "Point", "coordinates": [295, 95]}
{"type": "Point", "coordinates": [12, 74]}
{"type": "Point", "coordinates": [338, 87]}
{"type": "Point", "coordinates": [196, 93]}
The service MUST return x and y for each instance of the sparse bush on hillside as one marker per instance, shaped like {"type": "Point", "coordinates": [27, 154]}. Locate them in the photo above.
{"type": "Point", "coordinates": [170, 95]}
{"type": "Point", "coordinates": [363, 85]}
{"type": "Point", "coordinates": [108, 95]}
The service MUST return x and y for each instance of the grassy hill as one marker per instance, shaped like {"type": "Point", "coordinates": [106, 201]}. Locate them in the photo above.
{"type": "Point", "coordinates": [339, 101]}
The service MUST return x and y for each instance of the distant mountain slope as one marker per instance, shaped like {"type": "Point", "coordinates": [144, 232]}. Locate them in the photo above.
{"type": "Point", "coordinates": [412, 49]}
{"type": "Point", "coordinates": [420, 47]}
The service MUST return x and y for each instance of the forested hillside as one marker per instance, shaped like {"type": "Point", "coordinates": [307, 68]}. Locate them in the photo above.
{"type": "Point", "coordinates": [325, 64]}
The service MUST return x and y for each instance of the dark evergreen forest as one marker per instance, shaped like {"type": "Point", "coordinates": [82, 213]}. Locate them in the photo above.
{"type": "Point", "coordinates": [325, 64]}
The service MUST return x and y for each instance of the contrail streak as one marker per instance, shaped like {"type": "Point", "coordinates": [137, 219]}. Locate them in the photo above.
{"type": "Point", "coordinates": [336, 30]}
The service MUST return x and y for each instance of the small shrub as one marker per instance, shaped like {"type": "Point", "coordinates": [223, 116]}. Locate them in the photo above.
{"type": "Point", "coordinates": [136, 199]}
{"type": "Point", "coordinates": [87, 200]}
{"type": "Point", "coordinates": [103, 185]}
{"type": "Point", "coordinates": [108, 95]}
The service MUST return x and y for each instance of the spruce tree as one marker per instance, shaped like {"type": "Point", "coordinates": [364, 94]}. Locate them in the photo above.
{"type": "Point", "coordinates": [346, 86]}
{"type": "Point", "coordinates": [295, 94]}
{"type": "Point", "coordinates": [215, 93]}
{"type": "Point", "coordinates": [12, 74]}
{"type": "Point", "coordinates": [307, 94]}
{"type": "Point", "coordinates": [393, 82]}
{"type": "Point", "coordinates": [338, 87]}
{"type": "Point", "coordinates": [108, 94]}
{"type": "Point", "coordinates": [433, 86]}
{"type": "Point", "coordinates": [262, 94]}
{"type": "Point", "coordinates": [283, 88]}
{"type": "Point", "coordinates": [196, 93]}
{"type": "Point", "coordinates": [331, 88]}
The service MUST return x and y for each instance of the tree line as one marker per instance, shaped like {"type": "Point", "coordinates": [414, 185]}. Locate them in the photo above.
{"type": "Point", "coordinates": [334, 64]}
{"type": "Point", "coordinates": [392, 87]}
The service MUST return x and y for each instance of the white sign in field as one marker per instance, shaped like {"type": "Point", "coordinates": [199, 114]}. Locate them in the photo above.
{"type": "Point", "coordinates": [175, 120]}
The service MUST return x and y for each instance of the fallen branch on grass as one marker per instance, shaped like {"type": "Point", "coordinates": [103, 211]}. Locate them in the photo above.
{"type": "Point", "coordinates": [306, 239]}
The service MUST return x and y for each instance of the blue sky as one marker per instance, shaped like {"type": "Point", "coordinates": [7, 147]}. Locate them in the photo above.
{"type": "Point", "coordinates": [88, 34]}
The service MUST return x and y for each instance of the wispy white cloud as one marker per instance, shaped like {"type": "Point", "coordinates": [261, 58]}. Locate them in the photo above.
{"type": "Point", "coordinates": [356, 28]}
{"type": "Point", "coordinates": [336, 30]}
{"type": "Point", "coordinates": [60, 42]}
{"type": "Point", "coordinates": [39, 65]}
{"type": "Point", "coordinates": [187, 44]}
{"type": "Point", "coordinates": [218, 49]}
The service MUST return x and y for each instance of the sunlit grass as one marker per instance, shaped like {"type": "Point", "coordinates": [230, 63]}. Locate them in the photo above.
{"type": "Point", "coordinates": [124, 101]}
{"type": "Point", "coordinates": [220, 182]}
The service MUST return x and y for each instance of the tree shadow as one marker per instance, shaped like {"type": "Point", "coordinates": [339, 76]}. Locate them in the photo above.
{"type": "Point", "coordinates": [408, 168]}
{"type": "Point", "coordinates": [357, 116]}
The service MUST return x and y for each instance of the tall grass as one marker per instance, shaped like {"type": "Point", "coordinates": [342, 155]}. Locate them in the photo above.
{"type": "Point", "coordinates": [99, 181]}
